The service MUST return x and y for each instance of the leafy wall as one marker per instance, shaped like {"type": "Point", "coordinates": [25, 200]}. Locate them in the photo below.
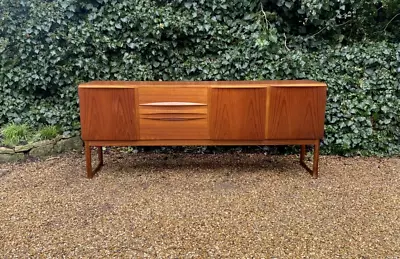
{"type": "Point", "coordinates": [48, 47]}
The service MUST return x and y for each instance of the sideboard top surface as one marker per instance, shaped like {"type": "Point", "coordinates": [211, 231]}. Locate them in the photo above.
{"type": "Point", "coordinates": [210, 84]}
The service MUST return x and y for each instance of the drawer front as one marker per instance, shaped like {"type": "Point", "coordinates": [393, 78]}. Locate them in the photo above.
{"type": "Point", "coordinates": [296, 112]}
{"type": "Point", "coordinates": [173, 113]}
{"type": "Point", "coordinates": [194, 95]}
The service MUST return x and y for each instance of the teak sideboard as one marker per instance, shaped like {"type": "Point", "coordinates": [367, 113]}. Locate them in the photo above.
{"type": "Point", "coordinates": [183, 113]}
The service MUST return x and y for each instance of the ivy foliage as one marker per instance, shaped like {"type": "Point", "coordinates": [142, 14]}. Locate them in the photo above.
{"type": "Point", "coordinates": [48, 47]}
{"type": "Point", "coordinates": [339, 20]}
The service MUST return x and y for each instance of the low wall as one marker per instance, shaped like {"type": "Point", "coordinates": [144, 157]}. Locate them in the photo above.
{"type": "Point", "coordinates": [41, 149]}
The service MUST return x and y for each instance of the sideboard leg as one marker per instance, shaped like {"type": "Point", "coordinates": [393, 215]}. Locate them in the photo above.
{"type": "Point", "coordinates": [89, 170]}
{"type": "Point", "coordinates": [302, 153]}
{"type": "Point", "coordinates": [314, 171]}
{"type": "Point", "coordinates": [88, 156]}
{"type": "Point", "coordinates": [100, 154]}
{"type": "Point", "coordinates": [316, 159]}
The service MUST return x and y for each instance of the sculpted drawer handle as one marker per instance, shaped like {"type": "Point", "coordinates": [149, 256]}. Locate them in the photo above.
{"type": "Point", "coordinates": [173, 119]}
{"type": "Point", "coordinates": [177, 113]}
{"type": "Point", "coordinates": [173, 104]}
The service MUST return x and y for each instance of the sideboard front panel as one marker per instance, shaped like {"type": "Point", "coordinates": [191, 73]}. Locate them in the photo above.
{"type": "Point", "coordinates": [296, 112]}
{"type": "Point", "coordinates": [108, 114]}
{"type": "Point", "coordinates": [168, 113]}
{"type": "Point", "coordinates": [237, 114]}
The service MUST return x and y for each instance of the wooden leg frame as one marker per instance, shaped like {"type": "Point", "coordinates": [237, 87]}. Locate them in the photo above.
{"type": "Point", "coordinates": [314, 171]}
{"type": "Point", "coordinates": [91, 173]}
{"type": "Point", "coordinates": [88, 154]}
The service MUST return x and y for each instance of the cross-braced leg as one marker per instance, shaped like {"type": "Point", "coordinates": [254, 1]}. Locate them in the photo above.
{"type": "Point", "coordinates": [88, 154]}
{"type": "Point", "coordinates": [314, 171]}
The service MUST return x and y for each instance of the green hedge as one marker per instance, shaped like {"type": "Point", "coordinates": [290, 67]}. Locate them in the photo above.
{"type": "Point", "coordinates": [48, 47]}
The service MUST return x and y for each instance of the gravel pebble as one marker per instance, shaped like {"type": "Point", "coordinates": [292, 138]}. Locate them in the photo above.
{"type": "Point", "coordinates": [201, 206]}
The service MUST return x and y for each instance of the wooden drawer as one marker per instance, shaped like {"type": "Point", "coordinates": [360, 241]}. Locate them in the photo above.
{"type": "Point", "coordinates": [173, 113]}
{"type": "Point", "coordinates": [194, 95]}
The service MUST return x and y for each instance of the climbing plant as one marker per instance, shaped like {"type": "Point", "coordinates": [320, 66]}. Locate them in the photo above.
{"type": "Point", "coordinates": [48, 47]}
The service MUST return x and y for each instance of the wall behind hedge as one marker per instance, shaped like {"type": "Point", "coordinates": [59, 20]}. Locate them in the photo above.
{"type": "Point", "coordinates": [48, 47]}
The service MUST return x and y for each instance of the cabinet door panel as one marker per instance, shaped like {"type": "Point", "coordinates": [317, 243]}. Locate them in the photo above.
{"type": "Point", "coordinates": [237, 114]}
{"type": "Point", "coordinates": [296, 113]}
{"type": "Point", "coordinates": [108, 114]}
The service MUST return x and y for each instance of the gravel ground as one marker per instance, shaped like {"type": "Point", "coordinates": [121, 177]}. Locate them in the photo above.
{"type": "Point", "coordinates": [200, 206]}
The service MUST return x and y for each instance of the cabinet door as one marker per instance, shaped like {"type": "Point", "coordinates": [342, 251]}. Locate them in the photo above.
{"type": "Point", "coordinates": [237, 113]}
{"type": "Point", "coordinates": [296, 112]}
{"type": "Point", "coordinates": [168, 113]}
{"type": "Point", "coordinates": [108, 114]}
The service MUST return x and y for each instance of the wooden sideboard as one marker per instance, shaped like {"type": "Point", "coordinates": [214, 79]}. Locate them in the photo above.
{"type": "Point", "coordinates": [165, 113]}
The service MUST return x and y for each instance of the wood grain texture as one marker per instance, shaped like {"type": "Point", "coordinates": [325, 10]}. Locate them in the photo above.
{"type": "Point", "coordinates": [203, 84]}
{"type": "Point", "coordinates": [173, 109]}
{"type": "Point", "coordinates": [173, 113]}
{"type": "Point", "coordinates": [203, 142]}
{"type": "Point", "coordinates": [295, 113]}
{"type": "Point", "coordinates": [294, 83]}
{"type": "Point", "coordinates": [174, 116]}
{"type": "Point", "coordinates": [108, 114]}
{"type": "Point", "coordinates": [173, 128]}
{"type": "Point", "coordinates": [148, 113]}
{"type": "Point", "coordinates": [237, 114]}
{"type": "Point", "coordinates": [195, 95]}
{"type": "Point", "coordinates": [169, 104]}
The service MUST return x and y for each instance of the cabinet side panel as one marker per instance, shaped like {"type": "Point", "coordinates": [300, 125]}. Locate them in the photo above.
{"type": "Point", "coordinates": [237, 114]}
{"type": "Point", "coordinates": [108, 114]}
{"type": "Point", "coordinates": [296, 113]}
